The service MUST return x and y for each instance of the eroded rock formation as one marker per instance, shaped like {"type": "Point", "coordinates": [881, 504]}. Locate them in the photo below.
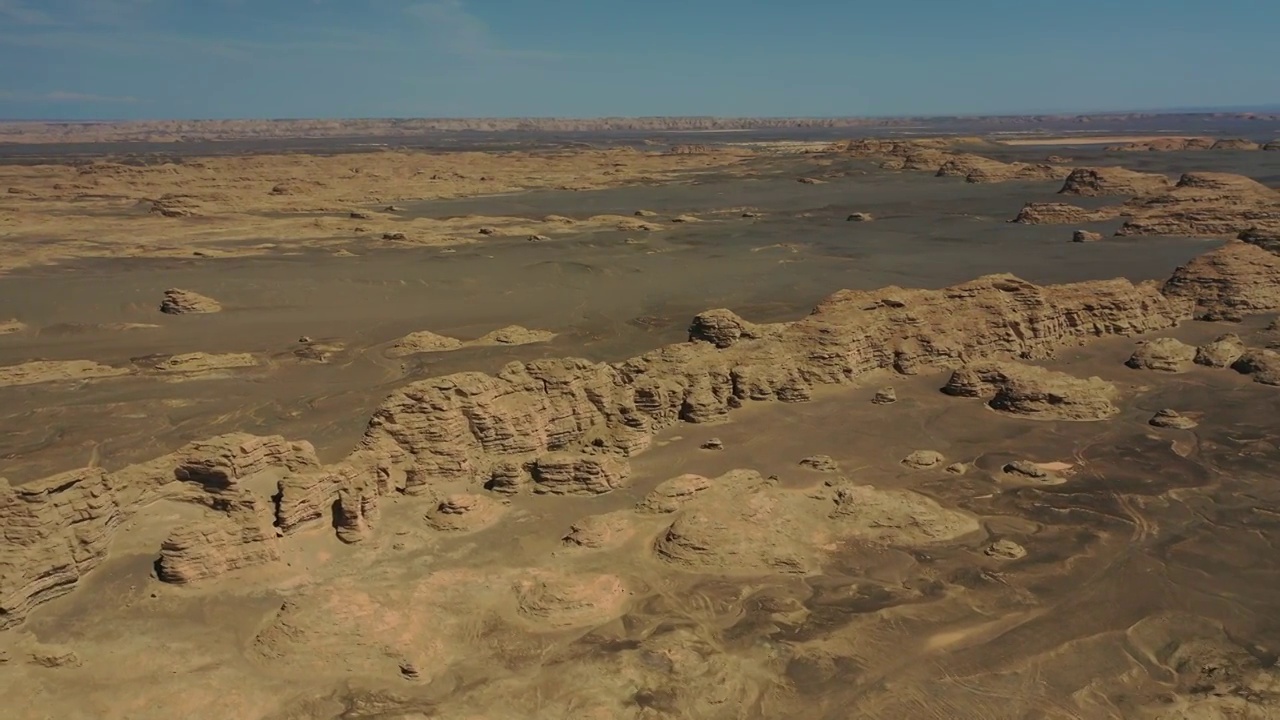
{"type": "Point", "coordinates": [1163, 354]}
{"type": "Point", "coordinates": [1237, 279]}
{"type": "Point", "coordinates": [1033, 391]}
{"type": "Point", "coordinates": [1050, 213]}
{"type": "Point", "coordinates": [1205, 204]}
{"type": "Point", "coordinates": [1099, 181]}
{"type": "Point", "coordinates": [180, 302]}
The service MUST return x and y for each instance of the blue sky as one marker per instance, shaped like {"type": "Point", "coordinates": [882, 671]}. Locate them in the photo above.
{"type": "Point", "coordinates": [82, 59]}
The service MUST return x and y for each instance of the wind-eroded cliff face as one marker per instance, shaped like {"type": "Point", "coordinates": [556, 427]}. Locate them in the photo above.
{"type": "Point", "coordinates": [553, 426]}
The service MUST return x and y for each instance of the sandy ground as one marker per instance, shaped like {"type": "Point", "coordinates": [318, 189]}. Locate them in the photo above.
{"type": "Point", "coordinates": [1150, 558]}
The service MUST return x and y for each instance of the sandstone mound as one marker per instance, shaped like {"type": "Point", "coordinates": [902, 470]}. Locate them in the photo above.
{"type": "Point", "coordinates": [671, 494]}
{"type": "Point", "coordinates": [884, 396]}
{"type": "Point", "coordinates": [1260, 364]}
{"type": "Point", "coordinates": [1034, 392]}
{"type": "Point", "coordinates": [1005, 550]}
{"type": "Point", "coordinates": [240, 529]}
{"type": "Point", "coordinates": [1163, 354]}
{"type": "Point", "coordinates": [860, 217]}
{"type": "Point", "coordinates": [181, 302]}
{"type": "Point", "coordinates": [55, 531]}
{"type": "Point", "coordinates": [423, 341]}
{"type": "Point", "coordinates": [1028, 470]}
{"type": "Point", "coordinates": [1235, 144]}
{"type": "Point", "coordinates": [8, 327]}
{"type": "Point", "coordinates": [1083, 236]}
{"type": "Point", "coordinates": [820, 463]}
{"type": "Point", "coordinates": [979, 169]}
{"type": "Point", "coordinates": [515, 335]}
{"type": "Point", "coordinates": [555, 601]}
{"type": "Point", "coordinates": [1171, 419]}
{"type": "Point", "coordinates": [601, 531]}
{"type": "Point", "coordinates": [465, 513]}
{"type": "Point", "coordinates": [199, 362]}
{"type": "Point", "coordinates": [1222, 352]}
{"type": "Point", "coordinates": [508, 478]}
{"type": "Point", "coordinates": [745, 523]}
{"type": "Point", "coordinates": [1052, 213]}
{"type": "Point", "coordinates": [1100, 181]}
{"type": "Point", "coordinates": [1205, 204]}
{"type": "Point", "coordinates": [573, 474]}
{"type": "Point", "coordinates": [723, 328]}
{"type": "Point", "coordinates": [923, 459]}
{"type": "Point", "coordinates": [45, 371]}
{"type": "Point", "coordinates": [1170, 144]}
{"type": "Point", "coordinates": [1228, 283]}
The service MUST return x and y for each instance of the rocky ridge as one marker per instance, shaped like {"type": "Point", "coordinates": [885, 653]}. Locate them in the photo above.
{"type": "Point", "coordinates": [554, 426]}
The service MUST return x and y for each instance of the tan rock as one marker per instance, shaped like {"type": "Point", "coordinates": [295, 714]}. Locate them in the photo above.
{"type": "Point", "coordinates": [8, 327]}
{"type": "Point", "coordinates": [884, 396]}
{"type": "Point", "coordinates": [1261, 364]}
{"type": "Point", "coordinates": [423, 341]}
{"type": "Point", "coordinates": [1235, 144]}
{"type": "Point", "coordinates": [979, 169]}
{"type": "Point", "coordinates": [860, 217]}
{"type": "Point", "coordinates": [1083, 236]}
{"type": "Point", "coordinates": [52, 532]}
{"type": "Point", "coordinates": [601, 531]}
{"type": "Point", "coordinates": [238, 535]}
{"type": "Point", "coordinates": [1163, 354]}
{"type": "Point", "coordinates": [671, 494]}
{"type": "Point", "coordinates": [1222, 352]}
{"type": "Point", "coordinates": [1050, 213]}
{"type": "Point", "coordinates": [182, 302]}
{"type": "Point", "coordinates": [1228, 283]}
{"type": "Point", "coordinates": [1005, 549]}
{"type": "Point", "coordinates": [571, 474]}
{"type": "Point", "coordinates": [199, 362]}
{"type": "Point", "coordinates": [821, 463]}
{"type": "Point", "coordinates": [47, 371]}
{"type": "Point", "coordinates": [464, 512]}
{"type": "Point", "coordinates": [1205, 204]}
{"type": "Point", "coordinates": [1099, 181]}
{"type": "Point", "coordinates": [515, 335]}
{"type": "Point", "coordinates": [1034, 392]}
{"type": "Point", "coordinates": [923, 459]}
{"type": "Point", "coordinates": [1171, 419]}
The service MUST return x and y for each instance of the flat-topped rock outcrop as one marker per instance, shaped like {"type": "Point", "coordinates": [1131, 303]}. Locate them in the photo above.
{"type": "Point", "coordinates": [1163, 354]}
{"type": "Point", "coordinates": [1205, 204]}
{"type": "Point", "coordinates": [1100, 181]}
{"type": "Point", "coordinates": [1034, 392]}
{"type": "Point", "coordinates": [1053, 213]}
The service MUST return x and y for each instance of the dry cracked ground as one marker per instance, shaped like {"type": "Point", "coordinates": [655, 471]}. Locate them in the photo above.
{"type": "Point", "coordinates": [408, 434]}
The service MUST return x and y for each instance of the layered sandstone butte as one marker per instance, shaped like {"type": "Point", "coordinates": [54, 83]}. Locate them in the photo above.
{"type": "Point", "coordinates": [1100, 181]}
{"type": "Point", "coordinates": [1164, 145]}
{"type": "Point", "coordinates": [181, 302]}
{"type": "Point", "coordinates": [1033, 392]}
{"type": "Point", "coordinates": [1240, 278]}
{"type": "Point", "coordinates": [979, 169]}
{"type": "Point", "coordinates": [1205, 204]}
{"type": "Point", "coordinates": [54, 531]}
{"type": "Point", "coordinates": [1050, 213]}
{"type": "Point", "coordinates": [461, 427]}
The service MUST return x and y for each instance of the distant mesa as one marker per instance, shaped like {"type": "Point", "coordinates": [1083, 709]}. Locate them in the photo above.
{"type": "Point", "coordinates": [980, 169]}
{"type": "Point", "coordinates": [1235, 144]}
{"type": "Point", "coordinates": [1169, 144]}
{"type": "Point", "coordinates": [187, 302]}
{"type": "Point", "coordinates": [1083, 236]}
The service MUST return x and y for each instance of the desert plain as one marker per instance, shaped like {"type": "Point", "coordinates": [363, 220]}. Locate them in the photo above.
{"type": "Point", "coordinates": [915, 420]}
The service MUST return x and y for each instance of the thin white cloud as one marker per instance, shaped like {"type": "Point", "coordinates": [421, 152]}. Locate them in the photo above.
{"type": "Point", "coordinates": [62, 96]}
{"type": "Point", "coordinates": [18, 12]}
{"type": "Point", "coordinates": [458, 31]}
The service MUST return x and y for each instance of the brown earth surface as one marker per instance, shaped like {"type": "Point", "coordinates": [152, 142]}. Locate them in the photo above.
{"type": "Point", "coordinates": [982, 499]}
